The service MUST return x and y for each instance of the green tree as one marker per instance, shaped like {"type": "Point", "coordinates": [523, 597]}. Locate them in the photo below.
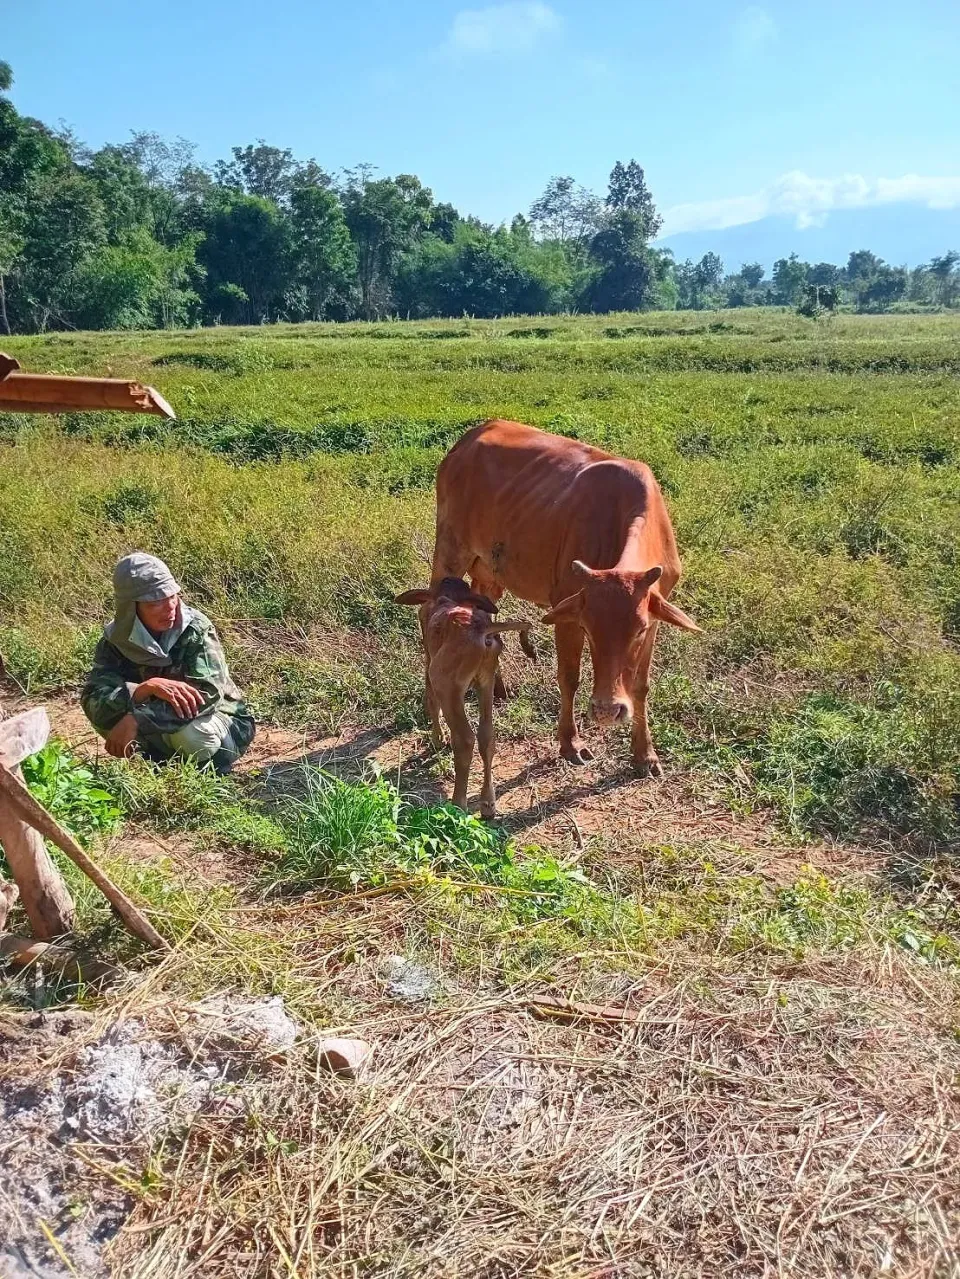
{"type": "Point", "coordinates": [324, 256]}
{"type": "Point", "coordinates": [567, 213]}
{"type": "Point", "coordinates": [261, 170]}
{"type": "Point", "coordinates": [386, 217]}
{"type": "Point", "coordinates": [123, 190]}
{"type": "Point", "coordinates": [63, 224]}
{"type": "Point", "coordinates": [946, 277]}
{"type": "Point", "coordinates": [626, 274]}
{"type": "Point", "coordinates": [789, 278]}
{"type": "Point", "coordinates": [698, 283]}
{"type": "Point", "coordinates": [247, 245]}
{"type": "Point", "coordinates": [628, 192]}
{"type": "Point", "coordinates": [824, 274]}
{"type": "Point", "coordinates": [753, 273]}
{"type": "Point", "coordinates": [887, 286]}
{"type": "Point", "coordinates": [138, 283]}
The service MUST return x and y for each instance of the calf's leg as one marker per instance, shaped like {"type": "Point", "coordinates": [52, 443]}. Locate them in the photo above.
{"type": "Point", "coordinates": [645, 758]}
{"type": "Point", "coordinates": [569, 638]}
{"type": "Point", "coordinates": [430, 700]}
{"type": "Point", "coordinates": [463, 740]}
{"type": "Point", "coordinates": [487, 741]}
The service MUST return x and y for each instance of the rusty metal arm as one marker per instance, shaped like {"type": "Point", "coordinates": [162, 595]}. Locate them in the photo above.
{"type": "Point", "coordinates": [53, 393]}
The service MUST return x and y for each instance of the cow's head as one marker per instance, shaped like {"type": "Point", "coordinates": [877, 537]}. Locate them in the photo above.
{"type": "Point", "coordinates": [615, 609]}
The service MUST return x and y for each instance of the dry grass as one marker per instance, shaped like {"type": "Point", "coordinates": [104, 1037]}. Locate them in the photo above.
{"type": "Point", "coordinates": [797, 1121]}
{"type": "Point", "coordinates": [763, 1115]}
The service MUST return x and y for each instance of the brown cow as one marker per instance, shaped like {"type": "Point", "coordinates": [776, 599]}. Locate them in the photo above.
{"type": "Point", "coordinates": [569, 527]}
{"type": "Point", "coordinates": [462, 646]}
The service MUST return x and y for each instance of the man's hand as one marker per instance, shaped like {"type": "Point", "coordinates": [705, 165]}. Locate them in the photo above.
{"type": "Point", "coordinates": [119, 741]}
{"type": "Point", "coordinates": [186, 700]}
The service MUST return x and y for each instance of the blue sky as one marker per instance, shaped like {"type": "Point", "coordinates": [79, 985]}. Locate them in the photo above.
{"type": "Point", "coordinates": [737, 111]}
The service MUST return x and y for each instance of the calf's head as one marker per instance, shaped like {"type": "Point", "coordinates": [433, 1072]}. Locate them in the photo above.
{"type": "Point", "coordinates": [615, 609]}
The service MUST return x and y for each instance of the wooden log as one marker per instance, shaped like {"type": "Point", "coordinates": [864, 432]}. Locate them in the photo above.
{"type": "Point", "coordinates": [8, 895]}
{"type": "Point", "coordinates": [45, 898]}
{"type": "Point", "coordinates": [52, 393]}
{"type": "Point", "coordinates": [19, 798]}
{"type": "Point", "coordinates": [23, 735]}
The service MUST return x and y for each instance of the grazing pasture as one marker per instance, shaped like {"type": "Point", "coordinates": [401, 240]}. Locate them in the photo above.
{"type": "Point", "coordinates": [779, 914]}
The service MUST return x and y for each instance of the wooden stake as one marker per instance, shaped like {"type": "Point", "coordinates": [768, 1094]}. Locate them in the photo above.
{"type": "Point", "coordinates": [23, 803]}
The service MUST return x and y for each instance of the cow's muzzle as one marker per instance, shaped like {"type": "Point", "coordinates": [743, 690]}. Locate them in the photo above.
{"type": "Point", "coordinates": [617, 711]}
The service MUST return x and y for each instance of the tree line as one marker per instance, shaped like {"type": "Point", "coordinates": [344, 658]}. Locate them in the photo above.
{"type": "Point", "coordinates": [139, 235]}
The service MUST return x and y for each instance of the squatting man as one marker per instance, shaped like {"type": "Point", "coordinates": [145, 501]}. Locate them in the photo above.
{"type": "Point", "coordinates": [160, 682]}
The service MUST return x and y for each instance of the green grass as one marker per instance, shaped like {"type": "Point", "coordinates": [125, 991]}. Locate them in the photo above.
{"type": "Point", "coordinates": [522, 908]}
{"type": "Point", "coordinates": [812, 471]}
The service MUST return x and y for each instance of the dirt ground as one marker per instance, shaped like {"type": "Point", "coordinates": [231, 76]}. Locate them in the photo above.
{"type": "Point", "coordinates": [541, 799]}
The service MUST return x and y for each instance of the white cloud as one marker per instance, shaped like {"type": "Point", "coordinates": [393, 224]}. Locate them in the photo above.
{"type": "Point", "coordinates": [809, 200]}
{"type": "Point", "coordinates": [501, 28]}
{"type": "Point", "coordinates": [754, 30]}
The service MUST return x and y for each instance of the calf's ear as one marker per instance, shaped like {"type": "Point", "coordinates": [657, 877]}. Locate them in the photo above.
{"type": "Point", "coordinates": [664, 611]}
{"type": "Point", "coordinates": [566, 610]}
{"type": "Point", "coordinates": [412, 597]}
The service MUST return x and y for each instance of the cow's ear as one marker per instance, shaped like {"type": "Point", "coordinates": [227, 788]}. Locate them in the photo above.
{"type": "Point", "coordinates": [566, 610]}
{"type": "Point", "coordinates": [649, 578]}
{"type": "Point", "coordinates": [412, 597]}
{"type": "Point", "coordinates": [667, 612]}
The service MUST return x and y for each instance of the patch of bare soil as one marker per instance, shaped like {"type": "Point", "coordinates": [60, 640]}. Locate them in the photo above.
{"type": "Point", "coordinates": [540, 797]}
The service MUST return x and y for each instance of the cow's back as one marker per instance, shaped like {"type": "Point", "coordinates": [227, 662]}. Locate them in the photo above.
{"type": "Point", "coordinates": [526, 504]}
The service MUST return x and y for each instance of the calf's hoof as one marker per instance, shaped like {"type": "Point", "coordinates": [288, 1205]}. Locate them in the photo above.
{"type": "Point", "coordinates": [576, 753]}
{"type": "Point", "coordinates": [488, 810]}
{"type": "Point", "coordinates": [650, 766]}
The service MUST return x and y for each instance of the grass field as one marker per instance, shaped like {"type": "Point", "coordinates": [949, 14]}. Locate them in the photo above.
{"type": "Point", "coordinates": [781, 911]}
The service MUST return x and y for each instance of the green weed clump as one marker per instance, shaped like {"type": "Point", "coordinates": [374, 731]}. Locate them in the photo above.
{"type": "Point", "coordinates": [72, 792]}
{"type": "Point", "coordinates": [352, 833]}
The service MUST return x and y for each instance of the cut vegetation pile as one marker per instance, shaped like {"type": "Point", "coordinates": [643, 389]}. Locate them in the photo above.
{"type": "Point", "coordinates": [773, 930]}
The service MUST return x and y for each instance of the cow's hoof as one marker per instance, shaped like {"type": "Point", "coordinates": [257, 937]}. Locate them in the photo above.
{"type": "Point", "coordinates": [576, 753]}
{"type": "Point", "coordinates": [650, 767]}
{"type": "Point", "coordinates": [488, 812]}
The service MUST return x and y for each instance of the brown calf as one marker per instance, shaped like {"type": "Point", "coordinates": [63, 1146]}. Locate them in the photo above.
{"type": "Point", "coordinates": [462, 646]}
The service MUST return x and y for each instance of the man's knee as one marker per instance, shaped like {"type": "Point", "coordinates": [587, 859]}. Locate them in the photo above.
{"type": "Point", "coordinates": [200, 739]}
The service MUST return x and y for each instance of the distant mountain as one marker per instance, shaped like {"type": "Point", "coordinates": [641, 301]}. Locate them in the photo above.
{"type": "Point", "coordinates": [901, 234]}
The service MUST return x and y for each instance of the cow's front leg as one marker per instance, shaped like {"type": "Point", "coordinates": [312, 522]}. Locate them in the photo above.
{"type": "Point", "coordinates": [645, 758]}
{"type": "Point", "coordinates": [569, 637]}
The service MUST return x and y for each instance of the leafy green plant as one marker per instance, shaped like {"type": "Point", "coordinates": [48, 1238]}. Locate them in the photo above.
{"type": "Point", "coordinates": [72, 792]}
